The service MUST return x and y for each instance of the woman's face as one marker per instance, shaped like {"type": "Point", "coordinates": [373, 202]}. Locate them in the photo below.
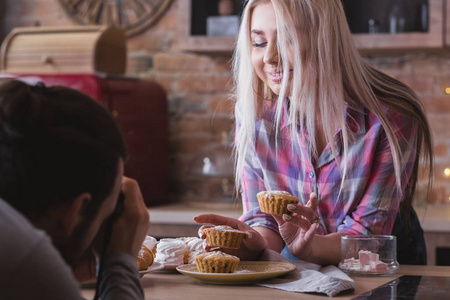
{"type": "Point", "coordinates": [264, 54]}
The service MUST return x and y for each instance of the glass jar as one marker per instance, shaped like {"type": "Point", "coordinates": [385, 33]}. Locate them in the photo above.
{"type": "Point", "coordinates": [369, 255]}
{"type": "Point", "coordinates": [211, 176]}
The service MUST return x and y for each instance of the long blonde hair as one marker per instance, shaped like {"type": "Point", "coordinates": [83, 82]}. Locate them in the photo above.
{"type": "Point", "coordinates": [328, 75]}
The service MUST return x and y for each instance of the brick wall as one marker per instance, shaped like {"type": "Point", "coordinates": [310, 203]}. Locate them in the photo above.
{"type": "Point", "coordinates": [200, 108]}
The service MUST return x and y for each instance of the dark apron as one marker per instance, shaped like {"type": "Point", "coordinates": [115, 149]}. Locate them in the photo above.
{"type": "Point", "coordinates": [411, 249]}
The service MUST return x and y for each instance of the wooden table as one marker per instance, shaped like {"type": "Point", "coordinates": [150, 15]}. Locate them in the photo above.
{"type": "Point", "coordinates": [173, 285]}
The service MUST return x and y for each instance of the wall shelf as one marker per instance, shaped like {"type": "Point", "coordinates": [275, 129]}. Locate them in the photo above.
{"type": "Point", "coordinates": [434, 38]}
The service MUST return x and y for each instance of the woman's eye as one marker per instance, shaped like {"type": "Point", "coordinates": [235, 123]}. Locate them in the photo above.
{"type": "Point", "coordinates": [257, 44]}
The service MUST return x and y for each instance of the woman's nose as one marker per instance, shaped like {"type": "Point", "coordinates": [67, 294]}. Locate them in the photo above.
{"type": "Point", "coordinates": [271, 54]}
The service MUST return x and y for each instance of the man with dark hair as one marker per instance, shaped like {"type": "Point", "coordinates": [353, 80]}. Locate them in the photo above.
{"type": "Point", "coordinates": [61, 173]}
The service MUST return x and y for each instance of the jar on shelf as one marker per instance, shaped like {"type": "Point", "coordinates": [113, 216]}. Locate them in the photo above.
{"type": "Point", "coordinates": [211, 176]}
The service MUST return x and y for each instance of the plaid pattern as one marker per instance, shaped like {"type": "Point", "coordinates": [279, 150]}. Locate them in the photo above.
{"type": "Point", "coordinates": [369, 199]}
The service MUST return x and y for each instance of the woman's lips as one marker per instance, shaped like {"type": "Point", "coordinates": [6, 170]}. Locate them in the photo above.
{"type": "Point", "coordinates": [275, 76]}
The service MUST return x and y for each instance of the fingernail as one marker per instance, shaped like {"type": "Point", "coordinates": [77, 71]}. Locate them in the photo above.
{"type": "Point", "coordinates": [313, 195]}
{"type": "Point", "coordinates": [249, 235]}
{"type": "Point", "coordinates": [291, 206]}
{"type": "Point", "coordinates": [287, 217]}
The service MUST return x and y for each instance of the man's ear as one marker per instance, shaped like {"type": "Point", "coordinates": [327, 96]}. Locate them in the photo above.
{"type": "Point", "coordinates": [71, 212]}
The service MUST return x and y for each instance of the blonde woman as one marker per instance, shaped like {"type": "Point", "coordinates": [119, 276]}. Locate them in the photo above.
{"type": "Point", "coordinates": [316, 120]}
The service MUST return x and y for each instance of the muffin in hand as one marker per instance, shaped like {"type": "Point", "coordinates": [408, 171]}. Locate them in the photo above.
{"type": "Point", "coordinates": [224, 236]}
{"type": "Point", "coordinates": [275, 202]}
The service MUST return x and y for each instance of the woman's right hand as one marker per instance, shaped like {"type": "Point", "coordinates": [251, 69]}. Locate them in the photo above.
{"type": "Point", "coordinates": [298, 229]}
{"type": "Point", "coordinates": [253, 244]}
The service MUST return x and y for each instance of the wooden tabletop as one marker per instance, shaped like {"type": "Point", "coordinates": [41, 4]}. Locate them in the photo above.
{"type": "Point", "coordinates": [173, 285]}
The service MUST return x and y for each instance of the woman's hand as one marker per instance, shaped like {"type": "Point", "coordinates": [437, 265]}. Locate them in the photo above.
{"type": "Point", "coordinates": [252, 245]}
{"type": "Point", "coordinates": [132, 225]}
{"type": "Point", "coordinates": [298, 228]}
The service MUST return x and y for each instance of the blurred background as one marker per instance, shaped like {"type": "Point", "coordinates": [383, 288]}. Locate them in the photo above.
{"type": "Point", "coordinates": [185, 46]}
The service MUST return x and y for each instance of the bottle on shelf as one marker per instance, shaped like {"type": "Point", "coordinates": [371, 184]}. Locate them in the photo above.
{"type": "Point", "coordinates": [397, 18]}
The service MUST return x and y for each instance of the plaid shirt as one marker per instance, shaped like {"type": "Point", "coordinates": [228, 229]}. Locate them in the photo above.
{"type": "Point", "coordinates": [369, 198]}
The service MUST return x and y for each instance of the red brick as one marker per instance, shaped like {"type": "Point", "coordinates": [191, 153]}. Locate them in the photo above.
{"type": "Point", "coordinates": [191, 144]}
{"type": "Point", "coordinates": [222, 104]}
{"type": "Point", "coordinates": [421, 84]}
{"type": "Point", "coordinates": [223, 64]}
{"type": "Point", "coordinates": [444, 83]}
{"type": "Point", "coordinates": [139, 63]}
{"type": "Point", "coordinates": [222, 124]}
{"type": "Point", "coordinates": [439, 193]}
{"type": "Point", "coordinates": [150, 41]}
{"type": "Point", "coordinates": [179, 63]}
{"type": "Point", "coordinates": [169, 22]}
{"type": "Point", "coordinates": [440, 150]}
{"type": "Point", "coordinates": [426, 65]}
{"type": "Point", "coordinates": [440, 126]}
{"type": "Point", "coordinates": [204, 83]}
{"type": "Point", "coordinates": [166, 82]}
{"type": "Point", "coordinates": [437, 105]}
{"type": "Point", "coordinates": [199, 124]}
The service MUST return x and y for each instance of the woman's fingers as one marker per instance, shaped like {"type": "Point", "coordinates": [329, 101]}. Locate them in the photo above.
{"type": "Point", "coordinates": [253, 242]}
{"type": "Point", "coordinates": [299, 222]}
{"type": "Point", "coordinates": [303, 216]}
{"type": "Point", "coordinates": [313, 201]}
{"type": "Point", "coordinates": [298, 211]}
{"type": "Point", "coordinates": [201, 234]}
{"type": "Point", "coordinates": [221, 220]}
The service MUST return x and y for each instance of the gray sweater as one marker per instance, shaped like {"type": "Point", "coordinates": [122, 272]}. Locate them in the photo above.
{"type": "Point", "coordinates": [32, 268]}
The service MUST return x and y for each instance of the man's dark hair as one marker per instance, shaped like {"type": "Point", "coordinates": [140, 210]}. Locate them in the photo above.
{"type": "Point", "coordinates": [55, 144]}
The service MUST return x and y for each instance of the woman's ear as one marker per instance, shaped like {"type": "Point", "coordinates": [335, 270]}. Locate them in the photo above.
{"type": "Point", "coordinates": [69, 213]}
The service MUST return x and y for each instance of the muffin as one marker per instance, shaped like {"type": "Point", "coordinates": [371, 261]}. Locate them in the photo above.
{"type": "Point", "coordinates": [275, 202]}
{"type": "Point", "coordinates": [224, 236]}
{"type": "Point", "coordinates": [216, 262]}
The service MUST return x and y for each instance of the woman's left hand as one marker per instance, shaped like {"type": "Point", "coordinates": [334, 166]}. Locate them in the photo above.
{"type": "Point", "coordinates": [298, 228]}
{"type": "Point", "coordinates": [253, 244]}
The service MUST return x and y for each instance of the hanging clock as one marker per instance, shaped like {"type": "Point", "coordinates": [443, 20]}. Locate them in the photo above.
{"type": "Point", "coordinates": [133, 15]}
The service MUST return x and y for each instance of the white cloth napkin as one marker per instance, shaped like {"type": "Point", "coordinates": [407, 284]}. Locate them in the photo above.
{"type": "Point", "coordinates": [308, 277]}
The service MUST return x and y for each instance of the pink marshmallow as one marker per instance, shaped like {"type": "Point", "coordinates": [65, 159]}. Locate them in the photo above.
{"type": "Point", "coordinates": [364, 257]}
{"type": "Point", "coordinates": [378, 266]}
{"type": "Point", "coordinates": [374, 257]}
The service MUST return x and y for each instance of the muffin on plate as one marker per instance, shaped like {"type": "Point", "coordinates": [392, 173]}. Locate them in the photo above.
{"type": "Point", "coordinates": [224, 236]}
{"type": "Point", "coordinates": [216, 262]}
{"type": "Point", "coordinates": [275, 202]}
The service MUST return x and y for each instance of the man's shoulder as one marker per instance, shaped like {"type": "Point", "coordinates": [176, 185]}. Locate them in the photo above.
{"type": "Point", "coordinates": [19, 236]}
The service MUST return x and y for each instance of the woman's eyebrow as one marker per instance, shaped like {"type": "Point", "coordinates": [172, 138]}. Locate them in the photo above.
{"type": "Point", "coordinates": [257, 32]}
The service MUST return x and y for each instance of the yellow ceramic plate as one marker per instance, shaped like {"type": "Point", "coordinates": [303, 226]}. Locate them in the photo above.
{"type": "Point", "coordinates": [246, 272]}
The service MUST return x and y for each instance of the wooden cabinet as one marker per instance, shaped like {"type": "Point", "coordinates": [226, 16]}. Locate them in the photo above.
{"type": "Point", "coordinates": [435, 37]}
{"type": "Point", "coordinates": [197, 43]}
